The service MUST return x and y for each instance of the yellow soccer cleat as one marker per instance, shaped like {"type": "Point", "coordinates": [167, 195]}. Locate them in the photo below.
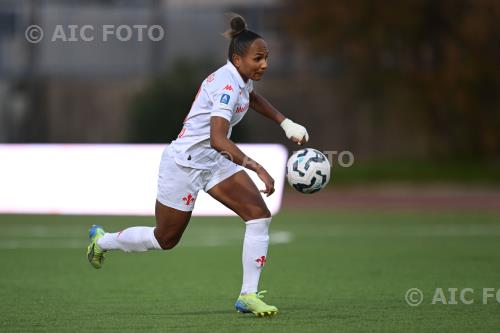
{"type": "Point", "coordinates": [95, 254]}
{"type": "Point", "coordinates": [252, 303]}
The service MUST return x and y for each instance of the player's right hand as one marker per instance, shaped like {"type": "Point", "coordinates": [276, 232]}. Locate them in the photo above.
{"type": "Point", "coordinates": [268, 181]}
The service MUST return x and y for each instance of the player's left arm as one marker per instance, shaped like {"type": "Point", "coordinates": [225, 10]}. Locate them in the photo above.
{"type": "Point", "coordinates": [295, 132]}
{"type": "Point", "coordinates": [262, 106]}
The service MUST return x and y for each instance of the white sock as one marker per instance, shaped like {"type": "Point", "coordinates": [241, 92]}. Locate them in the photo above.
{"type": "Point", "coordinates": [254, 253]}
{"type": "Point", "coordinates": [135, 239]}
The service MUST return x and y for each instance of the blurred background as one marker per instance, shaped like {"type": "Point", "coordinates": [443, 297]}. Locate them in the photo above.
{"type": "Point", "coordinates": [411, 89]}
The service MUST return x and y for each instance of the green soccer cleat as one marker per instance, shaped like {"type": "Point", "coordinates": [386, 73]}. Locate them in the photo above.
{"type": "Point", "coordinates": [252, 303]}
{"type": "Point", "coordinates": [94, 253]}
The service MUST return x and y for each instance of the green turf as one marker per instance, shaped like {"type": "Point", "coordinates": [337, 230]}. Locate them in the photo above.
{"type": "Point", "coordinates": [340, 272]}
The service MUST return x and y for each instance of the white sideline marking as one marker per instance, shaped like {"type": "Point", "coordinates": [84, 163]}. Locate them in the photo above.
{"type": "Point", "coordinates": [434, 230]}
{"type": "Point", "coordinates": [39, 239]}
{"type": "Point", "coordinates": [280, 237]}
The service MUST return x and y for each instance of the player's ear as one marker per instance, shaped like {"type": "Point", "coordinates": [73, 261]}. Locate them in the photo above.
{"type": "Point", "coordinates": [236, 60]}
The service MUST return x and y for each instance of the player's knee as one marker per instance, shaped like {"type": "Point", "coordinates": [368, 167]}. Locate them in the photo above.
{"type": "Point", "coordinates": [168, 243]}
{"type": "Point", "coordinates": [259, 212]}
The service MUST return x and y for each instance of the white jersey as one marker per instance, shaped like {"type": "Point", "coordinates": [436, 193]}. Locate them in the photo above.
{"type": "Point", "coordinates": [222, 94]}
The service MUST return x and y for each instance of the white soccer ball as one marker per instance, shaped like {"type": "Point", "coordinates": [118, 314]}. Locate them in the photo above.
{"type": "Point", "coordinates": [308, 170]}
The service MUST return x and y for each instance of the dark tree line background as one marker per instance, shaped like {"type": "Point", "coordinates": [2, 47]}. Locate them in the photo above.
{"type": "Point", "coordinates": [435, 61]}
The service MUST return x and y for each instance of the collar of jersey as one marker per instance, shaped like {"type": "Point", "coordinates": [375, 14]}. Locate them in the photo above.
{"type": "Point", "coordinates": [233, 70]}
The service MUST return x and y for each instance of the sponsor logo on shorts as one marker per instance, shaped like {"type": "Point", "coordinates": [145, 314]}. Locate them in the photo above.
{"type": "Point", "coordinates": [189, 199]}
{"type": "Point", "coordinates": [225, 99]}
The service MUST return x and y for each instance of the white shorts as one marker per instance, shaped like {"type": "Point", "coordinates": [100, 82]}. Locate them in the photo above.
{"type": "Point", "coordinates": [178, 186]}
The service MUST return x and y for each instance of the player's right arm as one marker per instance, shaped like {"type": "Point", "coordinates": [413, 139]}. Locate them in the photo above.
{"type": "Point", "coordinates": [219, 128]}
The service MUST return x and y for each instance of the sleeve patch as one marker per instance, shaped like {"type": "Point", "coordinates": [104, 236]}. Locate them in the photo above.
{"type": "Point", "coordinates": [225, 99]}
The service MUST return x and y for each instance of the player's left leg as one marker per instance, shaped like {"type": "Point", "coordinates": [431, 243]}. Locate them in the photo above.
{"type": "Point", "coordinates": [170, 225]}
{"type": "Point", "coordinates": [172, 211]}
{"type": "Point", "coordinates": [133, 239]}
{"type": "Point", "coordinates": [239, 193]}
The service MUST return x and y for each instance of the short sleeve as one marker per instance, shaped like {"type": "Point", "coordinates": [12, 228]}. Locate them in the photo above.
{"type": "Point", "coordinates": [224, 101]}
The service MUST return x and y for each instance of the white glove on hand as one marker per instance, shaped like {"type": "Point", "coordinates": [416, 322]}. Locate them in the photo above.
{"type": "Point", "coordinates": [294, 130]}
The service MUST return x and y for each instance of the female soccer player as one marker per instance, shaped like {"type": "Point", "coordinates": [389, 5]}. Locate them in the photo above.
{"type": "Point", "coordinates": [203, 157]}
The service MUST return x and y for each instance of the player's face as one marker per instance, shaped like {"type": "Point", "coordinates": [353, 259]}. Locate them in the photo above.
{"type": "Point", "coordinates": [254, 63]}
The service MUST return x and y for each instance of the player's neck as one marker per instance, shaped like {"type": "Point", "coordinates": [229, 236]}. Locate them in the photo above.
{"type": "Point", "coordinates": [244, 77]}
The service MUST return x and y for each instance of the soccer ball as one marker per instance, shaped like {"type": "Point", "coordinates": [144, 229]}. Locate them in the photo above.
{"type": "Point", "coordinates": [308, 170]}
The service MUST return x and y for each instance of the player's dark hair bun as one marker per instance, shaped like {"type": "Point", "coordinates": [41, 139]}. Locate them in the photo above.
{"type": "Point", "coordinates": [241, 38]}
{"type": "Point", "coordinates": [237, 24]}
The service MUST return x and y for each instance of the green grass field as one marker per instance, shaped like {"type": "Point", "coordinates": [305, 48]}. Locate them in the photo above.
{"type": "Point", "coordinates": [327, 272]}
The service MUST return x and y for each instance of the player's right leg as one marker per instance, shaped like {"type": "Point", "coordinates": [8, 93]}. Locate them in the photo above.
{"type": "Point", "coordinates": [239, 193]}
